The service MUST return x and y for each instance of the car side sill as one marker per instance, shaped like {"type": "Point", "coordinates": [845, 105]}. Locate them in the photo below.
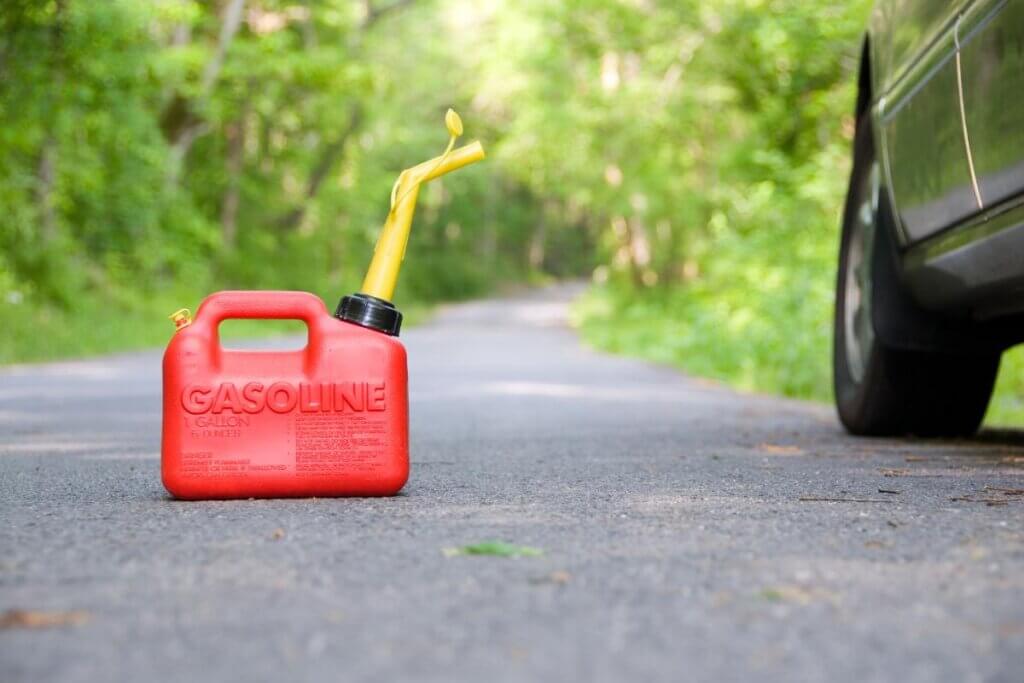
{"type": "Point", "coordinates": [974, 268]}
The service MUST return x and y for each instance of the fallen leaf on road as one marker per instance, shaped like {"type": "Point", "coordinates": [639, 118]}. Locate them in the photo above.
{"type": "Point", "coordinates": [894, 471]}
{"type": "Point", "coordinates": [1006, 492]}
{"type": "Point", "coordinates": [277, 535]}
{"type": "Point", "coordinates": [991, 502]}
{"type": "Point", "coordinates": [721, 598]}
{"type": "Point", "coordinates": [559, 578]}
{"type": "Point", "coordinates": [776, 449]}
{"type": "Point", "coordinates": [1012, 628]}
{"type": "Point", "coordinates": [891, 491]}
{"type": "Point", "coordinates": [875, 544]}
{"type": "Point", "coordinates": [494, 548]}
{"type": "Point", "coordinates": [992, 496]}
{"type": "Point", "coordinates": [819, 499]}
{"type": "Point", "coordinates": [24, 618]}
{"type": "Point", "coordinates": [335, 616]}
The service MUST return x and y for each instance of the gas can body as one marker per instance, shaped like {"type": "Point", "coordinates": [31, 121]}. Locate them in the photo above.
{"type": "Point", "coordinates": [330, 419]}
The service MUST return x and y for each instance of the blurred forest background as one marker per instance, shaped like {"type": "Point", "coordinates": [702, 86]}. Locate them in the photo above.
{"type": "Point", "coordinates": [689, 157]}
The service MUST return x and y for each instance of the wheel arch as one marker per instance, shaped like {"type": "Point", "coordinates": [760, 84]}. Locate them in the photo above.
{"type": "Point", "coordinates": [865, 86]}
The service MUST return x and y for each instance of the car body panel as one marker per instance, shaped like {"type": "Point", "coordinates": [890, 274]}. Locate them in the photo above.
{"type": "Point", "coordinates": [992, 56]}
{"type": "Point", "coordinates": [962, 249]}
{"type": "Point", "coordinates": [929, 176]}
{"type": "Point", "coordinates": [975, 268]}
{"type": "Point", "coordinates": [918, 116]}
{"type": "Point", "coordinates": [903, 30]}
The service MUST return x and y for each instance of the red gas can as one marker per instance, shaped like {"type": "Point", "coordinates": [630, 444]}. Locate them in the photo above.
{"type": "Point", "coordinates": [327, 420]}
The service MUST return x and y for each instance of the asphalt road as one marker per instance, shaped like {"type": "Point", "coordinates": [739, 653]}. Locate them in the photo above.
{"type": "Point", "coordinates": [688, 533]}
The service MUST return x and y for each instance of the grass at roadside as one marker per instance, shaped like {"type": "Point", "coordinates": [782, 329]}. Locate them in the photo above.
{"type": "Point", "coordinates": [775, 339]}
{"type": "Point", "coordinates": [1007, 406]}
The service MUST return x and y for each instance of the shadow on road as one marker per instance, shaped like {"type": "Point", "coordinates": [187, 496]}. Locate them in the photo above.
{"type": "Point", "coordinates": [1002, 436]}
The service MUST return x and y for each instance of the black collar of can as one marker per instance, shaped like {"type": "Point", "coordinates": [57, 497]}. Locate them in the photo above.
{"type": "Point", "coordinates": [369, 311]}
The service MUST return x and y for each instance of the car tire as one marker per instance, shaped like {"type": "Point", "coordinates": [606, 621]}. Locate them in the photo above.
{"type": "Point", "coordinates": [881, 390]}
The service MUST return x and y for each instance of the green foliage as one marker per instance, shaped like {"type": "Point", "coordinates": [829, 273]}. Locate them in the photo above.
{"type": "Point", "coordinates": [152, 151]}
{"type": "Point", "coordinates": [759, 317]}
{"type": "Point", "coordinates": [722, 246]}
{"type": "Point", "coordinates": [1007, 406]}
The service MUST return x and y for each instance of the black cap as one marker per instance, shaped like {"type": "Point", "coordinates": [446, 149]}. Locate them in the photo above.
{"type": "Point", "coordinates": [369, 311]}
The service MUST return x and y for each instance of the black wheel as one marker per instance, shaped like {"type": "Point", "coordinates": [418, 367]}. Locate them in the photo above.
{"type": "Point", "coordinates": [881, 390]}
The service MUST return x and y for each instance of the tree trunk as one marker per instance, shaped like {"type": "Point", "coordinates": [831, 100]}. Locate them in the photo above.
{"type": "Point", "coordinates": [328, 157]}
{"type": "Point", "coordinates": [639, 250]}
{"type": "Point", "coordinates": [488, 245]}
{"type": "Point", "coordinates": [236, 136]}
{"type": "Point", "coordinates": [182, 122]}
{"type": "Point", "coordinates": [535, 250]}
{"type": "Point", "coordinates": [45, 176]}
{"type": "Point", "coordinates": [228, 28]}
{"type": "Point", "coordinates": [46, 171]}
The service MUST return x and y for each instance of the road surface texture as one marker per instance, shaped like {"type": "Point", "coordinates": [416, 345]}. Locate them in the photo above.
{"type": "Point", "coordinates": [688, 533]}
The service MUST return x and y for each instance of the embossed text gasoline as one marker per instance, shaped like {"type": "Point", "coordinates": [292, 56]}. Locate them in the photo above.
{"type": "Point", "coordinates": [284, 397]}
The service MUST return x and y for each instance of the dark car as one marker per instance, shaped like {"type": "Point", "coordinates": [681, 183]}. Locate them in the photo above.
{"type": "Point", "coordinates": [930, 289]}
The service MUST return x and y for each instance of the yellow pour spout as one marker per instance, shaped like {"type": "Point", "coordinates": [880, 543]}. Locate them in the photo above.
{"type": "Point", "coordinates": [382, 275]}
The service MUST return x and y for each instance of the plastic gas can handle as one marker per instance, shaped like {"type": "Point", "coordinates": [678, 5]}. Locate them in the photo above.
{"type": "Point", "coordinates": [260, 304]}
